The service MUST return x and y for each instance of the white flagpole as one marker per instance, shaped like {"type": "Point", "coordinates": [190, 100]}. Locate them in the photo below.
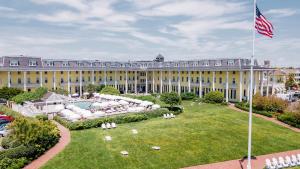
{"type": "Point", "coordinates": [251, 88]}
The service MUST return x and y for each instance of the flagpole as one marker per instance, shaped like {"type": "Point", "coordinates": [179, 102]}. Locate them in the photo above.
{"type": "Point", "coordinates": [251, 88]}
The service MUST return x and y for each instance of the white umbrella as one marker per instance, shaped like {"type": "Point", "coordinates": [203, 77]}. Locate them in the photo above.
{"type": "Point", "coordinates": [96, 104]}
{"type": "Point", "coordinates": [59, 107]}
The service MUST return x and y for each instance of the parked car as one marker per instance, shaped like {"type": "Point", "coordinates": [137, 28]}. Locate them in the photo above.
{"type": "Point", "coordinates": [3, 101]}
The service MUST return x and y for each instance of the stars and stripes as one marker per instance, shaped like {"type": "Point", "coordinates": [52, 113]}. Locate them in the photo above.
{"type": "Point", "coordinates": [262, 25]}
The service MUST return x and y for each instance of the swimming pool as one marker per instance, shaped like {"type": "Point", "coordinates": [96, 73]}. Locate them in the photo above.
{"type": "Point", "coordinates": [84, 104]}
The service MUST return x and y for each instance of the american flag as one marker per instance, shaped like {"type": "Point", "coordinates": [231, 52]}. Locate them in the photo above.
{"type": "Point", "coordinates": [262, 25]}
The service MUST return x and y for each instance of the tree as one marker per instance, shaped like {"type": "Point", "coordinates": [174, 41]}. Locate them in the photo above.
{"type": "Point", "coordinates": [171, 98]}
{"type": "Point", "coordinates": [8, 93]}
{"type": "Point", "coordinates": [110, 90]}
{"type": "Point", "coordinates": [291, 83]}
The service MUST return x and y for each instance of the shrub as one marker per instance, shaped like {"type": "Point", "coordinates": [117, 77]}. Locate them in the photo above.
{"type": "Point", "coordinates": [28, 96]}
{"type": "Point", "coordinates": [188, 96]}
{"type": "Point", "coordinates": [7, 163]}
{"type": "Point", "coordinates": [110, 90]}
{"type": "Point", "coordinates": [269, 103]}
{"type": "Point", "coordinates": [42, 117]}
{"type": "Point", "coordinates": [214, 97]}
{"type": "Point", "coordinates": [126, 118]}
{"type": "Point", "coordinates": [149, 98]}
{"type": "Point", "coordinates": [291, 118]}
{"type": "Point", "coordinates": [19, 152]}
{"type": "Point", "coordinates": [171, 98]}
{"type": "Point", "coordinates": [245, 106]}
{"type": "Point", "coordinates": [8, 93]}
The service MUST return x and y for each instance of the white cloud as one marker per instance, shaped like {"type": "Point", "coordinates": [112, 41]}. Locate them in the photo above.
{"type": "Point", "coordinates": [282, 12]}
{"type": "Point", "coordinates": [43, 40]}
{"type": "Point", "coordinates": [77, 4]}
{"type": "Point", "coordinates": [6, 9]}
{"type": "Point", "coordinates": [194, 8]}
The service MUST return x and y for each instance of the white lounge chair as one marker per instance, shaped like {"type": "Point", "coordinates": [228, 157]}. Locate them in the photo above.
{"type": "Point", "coordinates": [294, 160]}
{"type": "Point", "coordinates": [108, 126]}
{"type": "Point", "coordinates": [288, 161]}
{"type": "Point", "coordinates": [103, 126]}
{"type": "Point", "coordinates": [275, 163]}
{"type": "Point", "coordinates": [168, 116]}
{"type": "Point", "coordinates": [298, 157]}
{"type": "Point", "coordinates": [269, 164]}
{"type": "Point", "coordinates": [281, 163]}
{"type": "Point", "coordinates": [113, 125]}
{"type": "Point", "coordinates": [165, 116]}
{"type": "Point", "coordinates": [172, 115]}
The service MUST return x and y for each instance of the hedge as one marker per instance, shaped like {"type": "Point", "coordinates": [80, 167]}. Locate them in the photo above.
{"type": "Point", "coordinates": [244, 106]}
{"type": "Point", "coordinates": [7, 163]}
{"type": "Point", "coordinates": [188, 96]}
{"type": "Point", "coordinates": [214, 97]}
{"type": "Point", "coordinates": [119, 119]}
{"type": "Point", "coordinates": [19, 152]}
{"type": "Point", "coordinates": [290, 119]}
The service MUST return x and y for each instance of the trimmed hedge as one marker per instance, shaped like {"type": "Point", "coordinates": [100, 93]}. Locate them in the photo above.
{"type": "Point", "coordinates": [19, 152]}
{"type": "Point", "coordinates": [292, 119]}
{"type": "Point", "coordinates": [245, 106]}
{"type": "Point", "coordinates": [7, 163]}
{"type": "Point", "coordinates": [188, 96]}
{"type": "Point", "coordinates": [214, 97]}
{"type": "Point", "coordinates": [119, 119]}
{"type": "Point", "coordinates": [110, 90]}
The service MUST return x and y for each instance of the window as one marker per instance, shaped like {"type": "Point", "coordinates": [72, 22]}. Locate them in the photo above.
{"type": "Point", "coordinates": [19, 81]}
{"type": "Point", "coordinates": [220, 80]}
{"type": "Point", "coordinates": [19, 73]}
{"type": "Point", "coordinates": [37, 73]}
{"type": "Point", "coordinates": [14, 63]}
{"type": "Point", "coordinates": [37, 80]}
{"type": "Point", "coordinates": [65, 64]}
{"type": "Point", "coordinates": [49, 63]}
{"type": "Point", "coordinates": [28, 80]}
{"type": "Point", "coordinates": [208, 81]}
{"type": "Point", "coordinates": [206, 63]}
{"type": "Point", "coordinates": [61, 72]}
{"type": "Point", "coordinates": [230, 62]}
{"type": "Point", "coordinates": [32, 63]}
{"type": "Point", "coordinates": [46, 80]}
{"type": "Point", "coordinates": [233, 80]}
{"type": "Point", "coordinates": [218, 63]}
{"type": "Point", "coordinates": [77, 80]}
{"type": "Point", "coordinates": [120, 77]}
{"type": "Point", "coordinates": [46, 73]}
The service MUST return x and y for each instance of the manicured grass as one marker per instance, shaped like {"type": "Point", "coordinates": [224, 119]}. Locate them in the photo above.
{"type": "Point", "coordinates": [204, 133]}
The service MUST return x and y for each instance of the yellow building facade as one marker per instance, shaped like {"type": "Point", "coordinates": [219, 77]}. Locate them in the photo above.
{"type": "Point", "coordinates": [229, 76]}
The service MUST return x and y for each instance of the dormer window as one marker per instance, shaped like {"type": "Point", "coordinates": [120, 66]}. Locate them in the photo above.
{"type": "Point", "coordinates": [79, 63]}
{"type": "Point", "coordinates": [32, 63]}
{"type": "Point", "coordinates": [14, 63]}
{"type": "Point", "coordinates": [230, 62]}
{"type": "Point", "coordinates": [50, 63]}
{"type": "Point", "coordinates": [218, 63]}
{"type": "Point", "coordinates": [206, 63]}
{"type": "Point", "coordinates": [65, 64]}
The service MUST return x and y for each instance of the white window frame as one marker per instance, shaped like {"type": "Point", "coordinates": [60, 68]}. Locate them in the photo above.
{"type": "Point", "coordinates": [14, 63]}
{"type": "Point", "coordinates": [32, 63]}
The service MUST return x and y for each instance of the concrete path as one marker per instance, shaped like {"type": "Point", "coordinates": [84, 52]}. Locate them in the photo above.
{"type": "Point", "coordinates": [258, 163]}
{"type": "Point", "coordinates": [274, 120]}
{"type": "Point", "coordinates": [64, 140]}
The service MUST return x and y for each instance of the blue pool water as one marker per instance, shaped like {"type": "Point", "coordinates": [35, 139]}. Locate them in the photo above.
{"type": "Point", "coordinates": [83, 105]}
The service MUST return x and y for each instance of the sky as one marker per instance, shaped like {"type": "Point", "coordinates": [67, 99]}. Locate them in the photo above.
{"type": "Point", "coordinates": [122, 30]}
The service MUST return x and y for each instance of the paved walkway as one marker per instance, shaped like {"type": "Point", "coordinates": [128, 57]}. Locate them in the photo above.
{"type": "Point", "coordinates": [258, 163]}
{"type": "Point", "coordinates": [63, 142]}
{"type": "Point", "coordinates": [274, 120]}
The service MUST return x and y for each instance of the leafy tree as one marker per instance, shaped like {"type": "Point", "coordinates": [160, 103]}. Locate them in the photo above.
{"type": "Point", "coordinates": [8, 93]}
{"type": "Point", "coordinates": [171, 98]}
{"type": "Point", "coordinates": [110, 90]}
{"type": "Point", "coordinates": [291, 83]}
{"type": "Point", "coordinates": [214, 97]}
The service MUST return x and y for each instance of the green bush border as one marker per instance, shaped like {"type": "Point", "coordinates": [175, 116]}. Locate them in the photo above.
{"type": "Point", "coordinates": [242, 106]}
{"type": "Point", "coordinates": [119, 119]}
{"type": "Point", "coordinates": [289, 119]}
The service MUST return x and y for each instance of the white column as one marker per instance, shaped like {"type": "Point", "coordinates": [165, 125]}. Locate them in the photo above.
{"type": "Point", "coordinates": [170, 84]}
{"type": "Point", "coordinates": [200, 84]}
{"type": "Point", "coordinates": [69, 85]}
{"type": "Point", "coordinates": [248, 86]}
{"type": "Point", "coordinates": [179, 85]}
{"type": "Point", "coordinates": [80, 82]}
{"type": "Point", "coordinates": [116, 83]}
{"type": "Point", "coordinates": [93, 77]}
{"type": "Point", "coordinates": [146, 82]}
{"type": "Point", "coordinates": [9, 79]}
{"type": "Point", "coordinates": [135, 82]}
{"type": "Point", "coordinates": [267, 83]}
{"type": "Point", "coordinates": [41, 78]}
{"type": "Point", "coordinates": [241, 86]}
{"type": "Point", "coordinates": [161, 82]}
{"type": "Point", "coordinates": [227, 86]}
{"type": "Point", "coordinates": [213, 81]}
{"type": "Point", "coordinates": [273, 83]}
{"type": "Point", "coordinates": [261, 82]}
{"type": "Point", "coordinates": [24, 81]}
{"type": "Point", "coordinates": [126, 82]}
{"type": "Point", "coordinates": [189, 80]}
{"type": "Point", "coordinates": [54, 80]}
{"type": "Point", "coordinates": [153, 82]}
{"type": "Point", "coordinates": [105, 78]}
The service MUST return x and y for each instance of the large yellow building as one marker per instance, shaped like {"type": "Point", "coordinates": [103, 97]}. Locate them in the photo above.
{"type": "Point", "coordinates": [229, 76]}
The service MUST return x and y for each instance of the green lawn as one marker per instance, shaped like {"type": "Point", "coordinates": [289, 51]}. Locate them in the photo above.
{"type": "Point", "coordinates": [202, 134]}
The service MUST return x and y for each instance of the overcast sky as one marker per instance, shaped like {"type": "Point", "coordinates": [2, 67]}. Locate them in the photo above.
{"type": "Point", "coordinates": [141, 29]}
